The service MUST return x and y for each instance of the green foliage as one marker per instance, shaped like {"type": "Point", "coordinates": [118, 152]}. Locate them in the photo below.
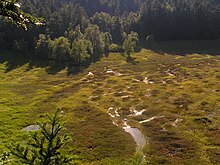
{"type": "Point", "coordinates": [81, 51]}
{"type": "Point", "coordinates": [42, 49]}
{"type": "Point", "coordinates": [152, 17]}
{"type": "Point", "coordinates": [93, 34]}
{"type": "Point", "coordinates": [117, 30]}
{"type": "Point", "coordinates": [4, 158]}
{"type": "Point", "coordinates": [130, 43]}
{"type": "Point", "coordinates": [107, 39]}
{"type": "Point", "coordinates": [103, 20]}
{"type": "Point", "coordinates": [21, 46]}
{"type": "Point", "coordinates": [137, 160]}
{"type": "Point", "coordinates": [60, 48]}
{"type": "Point", "coordinates": [179, 20]}
{"type": "Point", "coordinates": [77, 33]}
{"type": "Point", "coordinates": [80, 48]}
{"type": "Point", "coordinates": [46, 146]}
{"type": "Point", "coordinates": [165, 19]}
{"type": "Point", "coordinates": [114, 48]}
{"type": "Point", "coordinates": [70, 35]}
{"type": "Point", "coordinates": [74, 35]}
{"type": "Point", "coordinates": [11, 9]}
{"type": "Point", "coordinates": [130, 21]}
{"type": "Point", "coordinates": [183, 89]}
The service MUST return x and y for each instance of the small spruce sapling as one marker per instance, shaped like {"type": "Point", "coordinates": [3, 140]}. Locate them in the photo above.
{"type": "Point", "coordinates": [46, 145]}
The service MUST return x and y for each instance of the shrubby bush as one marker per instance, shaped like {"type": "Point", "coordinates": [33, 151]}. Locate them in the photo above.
{"type": "Point", "coordinates": [114, 48]}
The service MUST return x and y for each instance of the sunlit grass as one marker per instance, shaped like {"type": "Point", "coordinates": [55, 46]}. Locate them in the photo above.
{"type": "Point", "coordinates": [182, 89]}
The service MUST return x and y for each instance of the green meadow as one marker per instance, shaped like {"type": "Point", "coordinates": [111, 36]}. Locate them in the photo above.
{"type": "Point", "coordinates": [179, 94]}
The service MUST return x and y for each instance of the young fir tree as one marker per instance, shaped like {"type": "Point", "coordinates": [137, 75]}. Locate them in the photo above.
{"type": "Point", "coordinates": [46, 146]}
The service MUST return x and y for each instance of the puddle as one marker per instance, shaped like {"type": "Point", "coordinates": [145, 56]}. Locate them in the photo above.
{"type": "Point", "coordinates": [137, 135]}
{"type": "Point", "coordinates": [31, 128]}
{"type": "Point", "coordinates": [134, 132]}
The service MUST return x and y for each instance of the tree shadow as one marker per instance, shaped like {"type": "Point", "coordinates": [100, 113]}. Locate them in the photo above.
{"type": "Point", "coordinates": [211, 47]}
{"type": "Point", "coordinates": [72, 70]}
{"type": "Point", "coordinates": [131, 60]}
{"type": "Point", "coordinates": [14, 60]}
{"type": "Point", "coordinates": [55, 67]}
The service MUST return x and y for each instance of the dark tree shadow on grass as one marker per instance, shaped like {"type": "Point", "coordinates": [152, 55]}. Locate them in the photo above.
{"type": "Point", "coordinates": [132, 60]}
{"type": "Point", "coordinates": [211, 47]}
{"type": "Point", "coordinates": [55, 67]}
{"type": "Point", "coordinates": [14, 60]}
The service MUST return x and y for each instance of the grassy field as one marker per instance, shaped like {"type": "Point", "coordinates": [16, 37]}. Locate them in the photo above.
{"type": "Point", "coordinates": [180, 93]}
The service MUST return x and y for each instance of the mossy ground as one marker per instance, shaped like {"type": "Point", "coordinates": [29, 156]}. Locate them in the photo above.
{"type": "Point", "coordinates": [183, 90]}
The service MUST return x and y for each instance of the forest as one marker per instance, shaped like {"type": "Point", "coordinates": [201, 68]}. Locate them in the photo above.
{"type": "Point", "coordinates": [82, 31]}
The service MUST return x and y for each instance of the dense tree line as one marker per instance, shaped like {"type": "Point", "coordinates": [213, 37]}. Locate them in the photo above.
{"type": "Point", "coordinates": [81, 31]}
{"type": "Point", "coordinates": [80, 48]}
{"type": "Point", "coordinates": [179, 19]}
{"type": "Point", "coordinates": [110, 6]}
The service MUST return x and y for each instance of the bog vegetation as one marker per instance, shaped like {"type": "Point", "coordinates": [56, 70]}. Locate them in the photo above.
{"type": "Point", "coordinates": [109, 65]}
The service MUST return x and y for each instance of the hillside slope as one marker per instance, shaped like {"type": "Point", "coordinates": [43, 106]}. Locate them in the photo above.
{"type": "Point", "coordinates": [173, 100]}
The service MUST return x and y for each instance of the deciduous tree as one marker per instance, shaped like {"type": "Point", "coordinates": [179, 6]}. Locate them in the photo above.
{"type": "Point", "coordinates": [130, 43]}
{"type": "Point", "coordinates": [12, 10]}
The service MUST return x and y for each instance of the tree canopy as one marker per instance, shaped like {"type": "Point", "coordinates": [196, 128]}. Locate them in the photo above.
{"type": "Point", "coordinates": [95, 30]}
{"type": "Point", "coordinates": [12, 10]}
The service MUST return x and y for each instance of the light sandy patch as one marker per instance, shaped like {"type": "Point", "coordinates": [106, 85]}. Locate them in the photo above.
{"type": "Point", "coordinates": [150, 119]}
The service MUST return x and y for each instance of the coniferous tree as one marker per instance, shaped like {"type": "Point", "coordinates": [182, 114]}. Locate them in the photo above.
{"type": "Point", "coordinates": [45, 147]}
